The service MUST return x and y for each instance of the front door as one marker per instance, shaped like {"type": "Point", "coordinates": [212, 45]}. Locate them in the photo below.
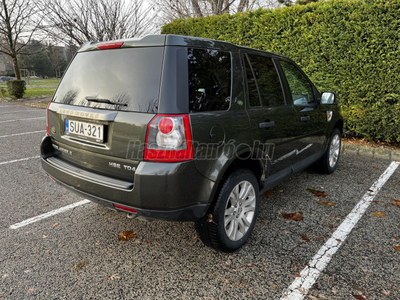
{"type": "Point", "coordinates": [272, 121]}
{"type": "Point", "coordinates": [311, 118]}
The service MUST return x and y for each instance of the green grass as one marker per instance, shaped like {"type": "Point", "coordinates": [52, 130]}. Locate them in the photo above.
{"type": "Point", "coordinates": [37, 88]}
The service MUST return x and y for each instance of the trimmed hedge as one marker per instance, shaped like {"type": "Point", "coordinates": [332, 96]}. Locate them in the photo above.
{"type": "Point", "coordinates": [348, 46]}
{"type": "Point", "coordinates": [16, 88]}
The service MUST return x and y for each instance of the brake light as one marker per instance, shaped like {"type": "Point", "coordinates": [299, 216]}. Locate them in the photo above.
{"type": "Point", "coordinates": [47, 119]}
{"type": "Point", "coordinates": [110, 45]}
{"type": "Point", "coordinates": [169, 139]}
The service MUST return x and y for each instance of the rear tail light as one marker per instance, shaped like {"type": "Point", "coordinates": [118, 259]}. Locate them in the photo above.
{"type": "Point", "coordinates": [47, 119]}
{"type": "Point", "coordinates": [169, 138]}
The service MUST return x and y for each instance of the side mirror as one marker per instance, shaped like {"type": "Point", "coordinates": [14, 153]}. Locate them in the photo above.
{"type": "Point", "coordinates": [328, 98]}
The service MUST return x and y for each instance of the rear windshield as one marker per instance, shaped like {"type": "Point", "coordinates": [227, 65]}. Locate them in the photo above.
{"type": "Point", "coordinates": [120, 79]}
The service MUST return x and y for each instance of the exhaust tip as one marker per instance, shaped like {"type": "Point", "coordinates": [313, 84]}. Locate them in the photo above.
{"type": "Point", "coordinates": [131, 215]}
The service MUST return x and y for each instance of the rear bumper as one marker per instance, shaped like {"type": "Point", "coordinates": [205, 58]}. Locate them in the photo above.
{"type": "Point", "coordinates": [165, 191]}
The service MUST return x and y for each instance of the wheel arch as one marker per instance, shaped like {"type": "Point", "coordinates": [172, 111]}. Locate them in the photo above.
{"type": "Point", "coordinates": [244, 160]}
{"type": "Point", "coordinates": [339, 125]}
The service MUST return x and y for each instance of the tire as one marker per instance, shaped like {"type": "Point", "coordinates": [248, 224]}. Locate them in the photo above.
{"type": "Point", "coordinates": [238, 211]}
{"type": "Point", "coordinates": [328, 163]}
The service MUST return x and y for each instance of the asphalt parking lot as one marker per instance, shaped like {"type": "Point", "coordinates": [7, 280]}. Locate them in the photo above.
{"type": "Point", "coordinates": [352, 234]}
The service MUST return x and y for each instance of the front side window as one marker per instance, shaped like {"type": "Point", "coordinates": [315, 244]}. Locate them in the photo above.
{"type": "Point", "coordinates": [209, 79]}
{"type": "Point", "coordinates": [264, 86]}
{"type": "Point", "coordinates": [300, 87]}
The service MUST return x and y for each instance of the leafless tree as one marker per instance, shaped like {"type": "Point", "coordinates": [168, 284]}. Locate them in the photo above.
{"type": "Point", "coordinates": [78, 21]}
{"type": "Point", "coordinates": [16, 28]}
{"type": "Point", "coordinates": [170, 10]}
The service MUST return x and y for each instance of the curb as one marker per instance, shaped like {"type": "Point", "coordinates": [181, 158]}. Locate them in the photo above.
{"type": "Point", "coordinates": [379, 153]}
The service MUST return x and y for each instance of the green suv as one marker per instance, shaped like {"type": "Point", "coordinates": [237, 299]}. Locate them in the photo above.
{"type": "Point", "coordinates": [186, 129]}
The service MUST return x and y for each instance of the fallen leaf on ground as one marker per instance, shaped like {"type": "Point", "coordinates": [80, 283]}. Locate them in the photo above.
{"type": "Point", "coordinates": [152, 241]}
{"type": "Point", "coordinates": [80, 265]}
{"type": "Point", "coordinates": [372, 245]}
{"type": "Point", "coordinates": [304, 238]}
{"type": "Point", "coordinates": [4, 276]}
{"type": "Point", "coordinates": [396, 199]}
{"type": "Point", "coordinates": [319, 238]}
{"type": "Point", "coordinates": [113, 277]}
{"type": "Point", "coordinates": [397, 248]}
{"type": "Point", "coordinates": [298, 275]}
{"type": "Point", "coordinates": [397, 204]}
{"type": "Point", "coordinates": [126, 235]}
{"type": "Point", "coordinates": [379, 214]}
{"type": "Point", "coordinates": [376, 168]}
{"type": "Point", "coordinates": [317, 193]}
{"type": "Point", "coordinates": [359, 297]}
{"type": "Point", "coordinates": [269, 193]}
{"type": "Point", "coordinates": [386, 293]}
{"type": "Point", "coordinates": [55, 224]}
{"type": "Point", "coordinates": [292, 216]}
{"type": "Point", "coordinates": [326, 203]}
{"type": "Point", "coordinates": [297, 267]}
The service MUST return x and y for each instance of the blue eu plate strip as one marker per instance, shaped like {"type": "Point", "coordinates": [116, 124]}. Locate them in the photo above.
{"type": "Point", "coordinates": [66, 125]}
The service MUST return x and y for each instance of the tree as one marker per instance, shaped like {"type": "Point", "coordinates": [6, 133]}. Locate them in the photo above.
{"type": "Point", "coordinates": [176, 9]}
{"type": "Point", "coordinates": [301, 2]}
{"type": "Point", "coordinates": [57, 59]}
{"type": "Point", "coordinates": [16, 29]}
{"type": "Point", "coordinates": [75, 22]}
{"type": "Point", "coordinates": [36, 57]}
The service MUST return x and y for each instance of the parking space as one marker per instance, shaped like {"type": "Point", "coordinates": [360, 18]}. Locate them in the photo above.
{"type": "Point", "coordinates": [76, 254]}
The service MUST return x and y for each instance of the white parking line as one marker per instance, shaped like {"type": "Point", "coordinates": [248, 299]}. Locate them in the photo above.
{"type": "Point", "coordinates": [17, 160]}
{"type": "Point", "coordinates": [17, 134]}
{"type": "Point", "coordinates": [8, 121]}
{"type": "Point", "coordinates": [49, 214]}
{"type": "Point", "coordinates": [309, 275]}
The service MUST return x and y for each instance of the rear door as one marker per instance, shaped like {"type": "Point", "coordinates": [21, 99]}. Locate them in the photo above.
{"type": "Point", "coordinates": [272, 121]}
{"type": "Point", "coordinates": [99, 114]}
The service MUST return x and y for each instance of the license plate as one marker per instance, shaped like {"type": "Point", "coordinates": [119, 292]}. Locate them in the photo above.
{"type": "Point", "coordinates": [85, 130]}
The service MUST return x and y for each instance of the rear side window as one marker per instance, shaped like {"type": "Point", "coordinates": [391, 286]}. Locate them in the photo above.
{"type": "Point", "coordinates": [209, 79]}
{"type": "Point", "coordinates": [129, 78]}
{"type": "Point", "coordinates": [264, 86]}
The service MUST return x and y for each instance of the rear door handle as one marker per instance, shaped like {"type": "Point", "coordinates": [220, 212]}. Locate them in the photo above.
{"type": "Point", "coordinates": [305, 118]}
{"type": "Point", "coordinates": [266, 124]}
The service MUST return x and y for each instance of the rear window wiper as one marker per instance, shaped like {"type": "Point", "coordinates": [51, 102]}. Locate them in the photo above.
{"type": "Point", "coordinates": [94, 99]}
